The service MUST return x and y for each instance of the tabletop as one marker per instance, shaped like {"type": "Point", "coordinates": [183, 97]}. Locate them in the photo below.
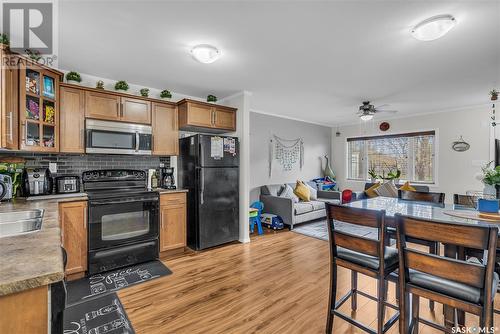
{"type": "Point", "coordinates": [416, 209]}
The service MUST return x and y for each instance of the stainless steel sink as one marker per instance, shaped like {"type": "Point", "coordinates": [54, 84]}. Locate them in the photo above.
{"type": "Point", "coordinates": [20, 222]}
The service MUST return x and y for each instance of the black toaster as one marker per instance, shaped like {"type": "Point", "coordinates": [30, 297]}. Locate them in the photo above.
{"type": "Point", "coordinates": [67, 184]}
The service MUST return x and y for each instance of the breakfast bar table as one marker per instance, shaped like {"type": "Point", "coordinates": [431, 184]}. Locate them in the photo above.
{"type": "Point", "coordinates": [428, 211]}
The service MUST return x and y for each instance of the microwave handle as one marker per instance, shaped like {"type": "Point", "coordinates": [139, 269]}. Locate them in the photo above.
{"type": "Point", "coordinates": [137, 141]}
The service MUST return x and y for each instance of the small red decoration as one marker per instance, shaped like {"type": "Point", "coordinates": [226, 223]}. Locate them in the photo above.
{"type": "Point", "coordinates": [384, 126]}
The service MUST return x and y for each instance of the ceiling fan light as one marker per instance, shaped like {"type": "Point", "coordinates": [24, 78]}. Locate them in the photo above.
{"type": "Point", "coordinates": [205, 53]}
{"type": "Point", "coordinates": [366, 117]}
{"type": "Point", "coordinates": [434, 27]}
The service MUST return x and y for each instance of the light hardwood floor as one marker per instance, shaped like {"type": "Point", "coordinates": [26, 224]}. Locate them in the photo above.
{"type": "Point", "coordinates": [278, 283]}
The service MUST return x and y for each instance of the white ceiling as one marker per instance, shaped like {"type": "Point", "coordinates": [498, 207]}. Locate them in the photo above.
{"type": "Point", "coordinates": [309, 60]}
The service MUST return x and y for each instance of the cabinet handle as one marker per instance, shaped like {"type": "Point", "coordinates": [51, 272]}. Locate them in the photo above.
{"type": "Point", "coordinates": [85, 219]}
{"type": "Point", "coordinates": [118, 109]}
{"type": "Point", "coordinates": [161, 220]}
{"type": "Point", "coordinates": [121, 110]}
{"type": "Point", "coordinates": [11, 130]}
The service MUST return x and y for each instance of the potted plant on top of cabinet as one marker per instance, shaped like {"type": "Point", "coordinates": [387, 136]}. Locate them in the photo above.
{"type": "Point", "coordinates": [73, 77]}
{"type": "Point", "coordinates": [165, 95]}
{"type": "Point", "coordinates": [121, 85]}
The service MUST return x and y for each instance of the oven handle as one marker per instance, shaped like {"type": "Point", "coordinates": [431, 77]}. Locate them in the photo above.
{"type": "Point", "coordinates": [137, 144]}
{"type": "Point", "coordinates": [105, 202]}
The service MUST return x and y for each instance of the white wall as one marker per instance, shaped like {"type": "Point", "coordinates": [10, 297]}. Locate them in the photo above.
{"type": "Point", "coordinates": [456, 170]}
{"type": "Point", "coordinates": [317, 143]}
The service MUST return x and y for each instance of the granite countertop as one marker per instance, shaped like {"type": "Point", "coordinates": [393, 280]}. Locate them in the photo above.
{"type": "Point", "coordinates": [33, 259]}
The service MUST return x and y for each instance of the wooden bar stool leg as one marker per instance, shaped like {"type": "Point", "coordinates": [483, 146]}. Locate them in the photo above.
{"type": "Point", "coordinates": [354, 289]}
{"type": "Point", "coordinates": [434, 249]}
{"type": "Point", "coordinates": [332, 299]}
{"type": "Point", "coordinates": [415, 307]}
{"type": "Point", "coordinates": [380, 305]}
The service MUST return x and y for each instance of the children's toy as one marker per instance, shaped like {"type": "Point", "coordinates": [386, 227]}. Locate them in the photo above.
{"type": "Point", "coordinates": [271, 221]}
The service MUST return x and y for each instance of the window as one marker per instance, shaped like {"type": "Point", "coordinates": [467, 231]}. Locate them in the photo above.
{"type": "Point", "coordinates": [411, 153]}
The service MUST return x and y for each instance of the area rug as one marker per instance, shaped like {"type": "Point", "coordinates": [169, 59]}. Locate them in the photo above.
{"type": "Point", "coordinates": [319, 229]}
{"type": "Point", "coordinates": [97, 316]}
{"type": "Point", "coordinates": [105, 283]}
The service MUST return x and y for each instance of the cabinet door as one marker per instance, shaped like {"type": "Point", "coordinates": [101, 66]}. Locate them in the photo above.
{"type": "Point", "coordinates": [165, 130]}
{"type": "Point", "coordinates": [9, 107]}
{"type": "Point", "coordinates": [102, 106]}
{"type": "Point", "coordinates": [72, 120]}
{"type": "Point", "coordinates": [200, 115]}
{"type": "Point", "coordinates": [172, 221]}
{"type": "Point", "coordinates": [135, 110]}
{"type": "Point", "coordinates": [225, 119]}
{"type": "Point", "coordinates": [73, 221]}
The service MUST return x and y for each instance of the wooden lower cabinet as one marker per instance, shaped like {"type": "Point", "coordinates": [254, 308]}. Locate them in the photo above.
{"type": "Point", "coordinates": [73, 222]}
{"type": "Point", "coordinates": [172, 221]}
{"type": "Point", "coordinates": [25, 311]}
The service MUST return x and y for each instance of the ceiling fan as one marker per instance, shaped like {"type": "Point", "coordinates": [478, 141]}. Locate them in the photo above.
{"type": "Point", "coordinates": [367, 110]}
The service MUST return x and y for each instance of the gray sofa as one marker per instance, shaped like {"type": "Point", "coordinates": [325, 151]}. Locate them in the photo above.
{"type": "Point", "coordinates": [296, 213]}
{"type": "Point", "coordinates": [359, 195]}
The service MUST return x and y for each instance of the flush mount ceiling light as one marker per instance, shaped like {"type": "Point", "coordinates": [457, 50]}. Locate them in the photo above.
{"type": "Point", "coordinates": [434, 27]}
{"type": "Point", "coordinates": [205, 53]}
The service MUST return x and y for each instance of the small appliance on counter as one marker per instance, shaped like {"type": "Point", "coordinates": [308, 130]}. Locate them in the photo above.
{"type": "Point", "coordinates": [37, 181]}
{"type": "Point", "coordinates": [67, 184]}
{"type": "Point", "coordinates": [167, 180]}
{"type": "Point", "coordinates": [6, 189]}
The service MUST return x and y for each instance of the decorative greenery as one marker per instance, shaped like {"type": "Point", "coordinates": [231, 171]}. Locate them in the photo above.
{"type": "Point", "coordinates": [74, 76]}
{"type": "Point", "coordinates": [144, 92]}
{"type": "Point", "coordinates": [211, 98]}
{"type": "Point", "coordinates": [165, 94]}
{"type": "Point", "coordinates": [35, 55]}
{"type": "Point", "coordinates": [393, 175]}
{"type": "Point", "coordinates": [121, 85]}
{"type": "Point", "coordinates": [99, 84]}
{"type": "Point", "coordinates": [4, 39]}
{"type": "Point", "coordinates": [372, 173]}
{"type": "Point", "coordinates": [494, 94]}
{"type": "Point", "coordinates": [491, 176]}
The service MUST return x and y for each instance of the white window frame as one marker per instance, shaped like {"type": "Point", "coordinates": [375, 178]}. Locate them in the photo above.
{"type": "Point", "coordinates": [411, 167]}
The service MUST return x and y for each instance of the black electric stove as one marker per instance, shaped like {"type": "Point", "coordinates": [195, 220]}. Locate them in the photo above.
{"type": "Point", "coordinates": [123, 219]}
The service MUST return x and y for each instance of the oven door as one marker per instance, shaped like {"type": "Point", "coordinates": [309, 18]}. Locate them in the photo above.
{"type": "Point", "coordinates": [119, 221]}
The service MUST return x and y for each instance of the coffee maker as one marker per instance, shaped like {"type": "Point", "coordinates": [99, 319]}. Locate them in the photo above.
{"type": "Point", "coordinates": [167, 180]}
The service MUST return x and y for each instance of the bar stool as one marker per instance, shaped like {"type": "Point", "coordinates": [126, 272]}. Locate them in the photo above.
{"type": "Point", "coordinates": [361, 255]}
{"type": "Point", "coordinates": [468, 286]}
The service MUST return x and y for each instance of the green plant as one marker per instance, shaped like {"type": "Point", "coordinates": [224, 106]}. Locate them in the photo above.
{"type": "Point", "coordinates": [99, 84]}
{"type": "Point", "coordinates": [494, 94]}
{"type": "Point", "coordinates": [144, 92]}
{"type": "Point", "coordinates": [393, 174]}
{"type": "Point", "coordinates": [35, 55]}
{"type": "Point", "coordinates": [491, 176]}
{"type": "Point", "coordinates": [121, 85]}
{"type": "Point", "coordinates": [211, 98]}
{"type": "Point", "coordinates": [4, 39]}
{"type": "Point", "coordinates": [165, 94]}
{"type": "Point", "coordinates": [74, 76]}
{"type": "Point", "coordinates": [372, 173]}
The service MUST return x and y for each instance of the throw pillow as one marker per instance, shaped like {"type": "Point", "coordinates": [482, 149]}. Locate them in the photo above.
{"type": "Point", "coordinates": [387, 189]}
{"type": "Point", "coordinates": [371, 192]}
{"type": "Point", "coordinates": [407, 187]}
{"type": "Point", "coordinates": [288, 193]}
{"type": "Point", "coordinates": [302, 192]}
{"type": "Point", "coordinates": [313, 191]}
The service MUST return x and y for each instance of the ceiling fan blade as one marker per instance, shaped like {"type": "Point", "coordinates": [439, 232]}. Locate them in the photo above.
{"type": "Point", "coordinates": [388, 111]}
{"type": "Point", "coordinates": [382, 105]}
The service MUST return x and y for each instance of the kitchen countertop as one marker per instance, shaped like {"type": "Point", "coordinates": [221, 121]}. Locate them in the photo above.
{"type": "Point", "coordinates": [169, 191]}
{"type": "Point", "coordinates": [33, 259]}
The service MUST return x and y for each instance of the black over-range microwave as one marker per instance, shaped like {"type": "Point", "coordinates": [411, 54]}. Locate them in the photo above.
{"type": "Point", "coordinates": [109, 137]}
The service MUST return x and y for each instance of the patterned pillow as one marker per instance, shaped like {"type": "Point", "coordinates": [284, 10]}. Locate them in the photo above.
{"type": "Point", "coordinates": [388, 189]}
{"type": "Point", "coordinates": [312, 191]}
{"type": "Point", "coordinates": [287, 192]}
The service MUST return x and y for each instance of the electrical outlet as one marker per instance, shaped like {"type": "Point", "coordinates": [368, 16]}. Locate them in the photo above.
{"type": "Point", "coordinates": [53, 167]}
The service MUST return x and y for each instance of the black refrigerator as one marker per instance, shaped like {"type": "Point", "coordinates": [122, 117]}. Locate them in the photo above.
{"type": "Point", "coordinates": [209, 170]}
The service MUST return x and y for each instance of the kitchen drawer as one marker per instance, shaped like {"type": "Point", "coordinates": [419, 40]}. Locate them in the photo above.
{"type": "Point", "coordinates": [172, 199]}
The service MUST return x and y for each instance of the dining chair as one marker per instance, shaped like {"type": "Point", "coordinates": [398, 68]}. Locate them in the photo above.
{"type": "Point", "coordinates": [421, 196]}
{"type": "Point", "coordinates": [465, 201]}
{"type": "Point", "coordinates": [360, 254]}
{"type": "Point", "coordinates": [464, 285]}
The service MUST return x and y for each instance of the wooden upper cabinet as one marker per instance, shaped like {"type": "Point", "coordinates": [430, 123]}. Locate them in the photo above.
{"type": "Point", "coordinates": [9, 99]}
{"type": "Point", "coordinates": [165, 129]}
{"type": "Point", "coordinates": [135, 110]}
{"type": "Point", "coordinates": [72, 120]}
{"type": "Point", "coordinates": [102, 106]}
{"type": "Point", "coordinates": [195, 115]}
{"type": "Point", "coordinates": [73, 223]}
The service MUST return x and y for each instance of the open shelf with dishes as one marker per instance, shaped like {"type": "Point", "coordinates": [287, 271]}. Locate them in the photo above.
{"type": "Point", "coordinates": [40, 117]}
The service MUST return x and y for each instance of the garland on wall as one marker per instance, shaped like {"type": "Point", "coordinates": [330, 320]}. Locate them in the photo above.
{"type": "Point", "coordinates": [286, 151]}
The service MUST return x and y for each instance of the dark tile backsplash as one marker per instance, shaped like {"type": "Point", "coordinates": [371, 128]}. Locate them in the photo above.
{"type": "Point", "coordinates": [76, 164]}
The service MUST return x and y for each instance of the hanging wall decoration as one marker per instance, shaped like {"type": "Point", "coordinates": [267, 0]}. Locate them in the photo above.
{"type": "Point", "coordinates": [287, 152]}
{"type": "Point", "coordinates": [493, 97]}
{"type": "Point", "coordinates": [460, 145]}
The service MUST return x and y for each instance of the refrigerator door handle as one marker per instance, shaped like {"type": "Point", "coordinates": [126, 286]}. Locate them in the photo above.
{"type": "Point", "coordinates": [200, 150]}
{"type": "Point", "coordinates": [202, 187]}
